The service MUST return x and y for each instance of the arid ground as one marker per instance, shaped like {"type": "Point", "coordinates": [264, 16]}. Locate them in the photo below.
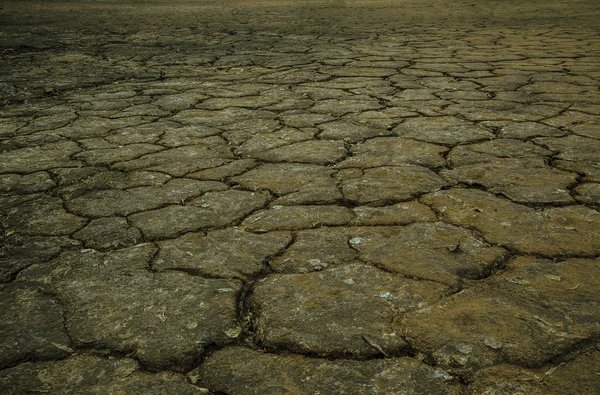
{"type": "Point", "coordinates": [300, 197]}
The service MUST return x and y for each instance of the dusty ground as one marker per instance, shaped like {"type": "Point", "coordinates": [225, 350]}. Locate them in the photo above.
{"type": "Point", "coordinates": [300, 197]}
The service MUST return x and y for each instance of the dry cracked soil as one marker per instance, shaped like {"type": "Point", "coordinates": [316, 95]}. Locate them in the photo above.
{"type": "Point", "coordinates": [300, 197]}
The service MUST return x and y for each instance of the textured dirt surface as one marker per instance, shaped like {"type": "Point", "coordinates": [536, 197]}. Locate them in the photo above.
{"type": "Point", "coordinates": [300, 197]}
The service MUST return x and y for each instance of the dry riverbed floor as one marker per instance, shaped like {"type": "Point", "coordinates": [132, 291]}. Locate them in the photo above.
{"type": "Point", "coordinates": [300, 197]}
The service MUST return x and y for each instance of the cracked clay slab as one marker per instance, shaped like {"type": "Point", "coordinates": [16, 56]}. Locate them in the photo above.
{"type": "Point", "coordinates": [240, 371]}
{"type": "Point", "coordinates": [432, 251]}
{"type": "Point", "coordinates": [554, 231]}
{"type": "Point", "coordinates": [112, 301]}
{"type": "Point", "coordinates": [229, 253]}
{"type": "Point", "coordinates": [31, 325]}
{"type": "Point", "coordinates": [480, 327]}
{"type": "Point", "coordinates": [84, 374]}
{"type": "Point", "coordinates": [347, 310]}
{"type": "Point", "coordinates": [383, 184]}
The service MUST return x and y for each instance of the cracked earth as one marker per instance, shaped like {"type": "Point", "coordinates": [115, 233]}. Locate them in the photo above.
{"type": "Point", "coordinates": [310, 197]}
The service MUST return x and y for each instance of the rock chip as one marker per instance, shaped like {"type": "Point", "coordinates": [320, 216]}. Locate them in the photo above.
{"type": "Point", "coordinates": [343, 311]}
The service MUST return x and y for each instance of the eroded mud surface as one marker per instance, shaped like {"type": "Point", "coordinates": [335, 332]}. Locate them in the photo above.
{"type": "Point", "coordinates": [334, 197]}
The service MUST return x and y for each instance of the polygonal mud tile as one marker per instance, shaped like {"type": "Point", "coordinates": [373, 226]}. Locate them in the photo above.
{"type": "Point", "coordinates": [394, 151]}
{"type": "Point", "coordinates": [109, 232]}
{"type": "Point", "coordinates": [342, 130]}
{"type": "Point", "coordinates": [19, 252]}
{"type": "Point", "coordinates": [346, 310]}
{"type": "Point", "coordinates": [240, 371]}
{"type": "Point", "coordinates": [181, 160]}
{"type": "Point", "coordinates": [295, 183]}
{"type": "Point", "coordinates": [43, 217]}
{"type": "Point", "coordinates": [523, 181]}
{"type": "Point", "coordinates": [146, 133]}
{"type": "Point", "coordinates": [188, 135]}
{"type": "Point", "coordinates": [554, 231]}
{"type": "Point", "coordinates": [430, 251]}
{"type": "Point", "coordinates": [577, 376]}
{"type": "Point", "coordinates": [297, 217]}
{"type": "Point", "coordinates": [213, 210]}
{"type": "Point", "coordinates": [28, 183]}
{"type": "Point", "coordinates": [442, 130]}
{"type": "Point", "coordinates": [94, 126]}
{"type": "Point", "coordinates": [222, 253]}
{"type": "Point", "coordinates": [225, 171]}
{"type": "Point", "coordinates": [256, 144]}
{"type": "Point", "coordinates": [76, 182]}
{"type": "Point", "coordinates": [320, 152]}
{"type": "Point", "coordinates": [220, 117]}
{"type": "Point", "coordinates": [397, 214]}
{"type": "Point", "coordinates": [382, 119]}
{"type": "Point", "coordinates": [114, 302]}
{"type": "Point", "coordinates": [480, 327]}
{"type": "Point", "coordinates": [385, 184]}
{"type": "Point", "coordinates": [304, 119]}
{"type": "Point", "coordinates": [83, 374]}
{"type": "Point", "coordinates": [573, 148]}
{"type": "Point", "coordinates": [314, 250]}
{"type": "Point", "coordinates": [525, 130]}
{"type": "Point", "coordinates": [339, 107]}
{"type": "Point", "coordinates": [109, 202]}
{"type": "Point", "coordinates": [588, 193]}
{"type": "Point", "coordinates": [589, 170]}
{"type": "Point", "coordinates": [47, 156]}
{"type": "Point", "coordinates": [99, 157]}
{"type": "Point", "coordinates": [569, 286]}
{"type": "Point", "coordinates": [31, 325]}
{"type": "Point", "coordinates": [489, 151]}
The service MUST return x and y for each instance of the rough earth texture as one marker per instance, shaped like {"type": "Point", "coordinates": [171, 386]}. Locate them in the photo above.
{"type": "Point", "coordinates": [300, 197]}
